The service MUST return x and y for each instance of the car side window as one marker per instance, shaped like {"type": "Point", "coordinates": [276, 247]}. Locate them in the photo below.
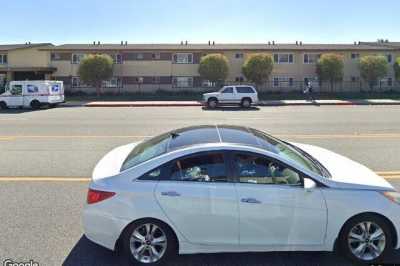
{"type": "Point", "coordinates": [228, 90]}
{"type": "Point", "coordinates": [244, 90]}
{"type": "Point", "coordinates": [209, 167]}
{"type": "Point", "coordinates": [257, 169]}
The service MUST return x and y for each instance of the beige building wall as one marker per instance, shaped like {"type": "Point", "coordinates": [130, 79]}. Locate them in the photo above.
{"type": "Point", "coordinates": [28, 57]}
{"type": "Point", "coordinates": [144, 68]}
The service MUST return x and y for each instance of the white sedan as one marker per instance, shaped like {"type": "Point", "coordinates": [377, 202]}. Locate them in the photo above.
{"type": "Point", "coordinates": [208, 189]}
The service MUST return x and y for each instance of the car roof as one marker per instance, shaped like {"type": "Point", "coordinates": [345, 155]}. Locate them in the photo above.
{"type": "Point", "coordinates": [207, 134]}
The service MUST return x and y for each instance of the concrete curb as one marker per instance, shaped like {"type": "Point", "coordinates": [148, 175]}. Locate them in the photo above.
{"type": "Point", "coordinates": [262, 103]}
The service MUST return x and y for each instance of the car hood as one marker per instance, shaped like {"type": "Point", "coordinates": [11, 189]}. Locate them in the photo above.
{"type": "Point", "coordinates": [111, 163]}
{"type": "Point", "coordinates": [211, 94]}
{"type": "Point", "coordinates": [348, 173]}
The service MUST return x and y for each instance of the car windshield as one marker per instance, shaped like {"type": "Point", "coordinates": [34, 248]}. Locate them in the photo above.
{"type": "Point", "coordinates": [290, 152]}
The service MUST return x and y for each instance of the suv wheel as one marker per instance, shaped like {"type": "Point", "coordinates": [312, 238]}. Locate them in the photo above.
{"type": "Point", "coordinates": [366, 239]}
{"type": "Point", "coordinates": [246, 103]}
{"type": "Point", "coordinates": [212, 103]}
{"type": "Point", "coordinates": [3, 105]}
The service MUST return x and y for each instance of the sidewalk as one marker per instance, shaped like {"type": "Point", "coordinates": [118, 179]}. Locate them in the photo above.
{"type": "Point", "coordinates": [261, 103]}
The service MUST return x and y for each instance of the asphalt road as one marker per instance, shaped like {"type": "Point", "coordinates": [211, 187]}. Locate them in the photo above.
{"type": "Point", "coordinates": [40, 220]}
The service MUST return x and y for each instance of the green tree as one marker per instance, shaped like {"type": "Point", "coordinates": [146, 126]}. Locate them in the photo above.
{"type": "Point", "coordinates": [214, 68]}
{"type": "Point", "coordinates": [330, 68]}
{"type": "Point", "coordinates": [396, 68]}
{"type": "Point", "coordinates": [373, 68]}
{"type": "Point", "coordinates": [257, 68]}
{"type": "Point", "coordinates": [94, 69]}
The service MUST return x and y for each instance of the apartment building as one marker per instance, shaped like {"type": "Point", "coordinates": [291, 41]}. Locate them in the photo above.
{"type": "Point", "coordinates": [150, 67]}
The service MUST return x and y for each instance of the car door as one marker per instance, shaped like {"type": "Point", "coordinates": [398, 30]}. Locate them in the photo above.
{"type": "Point", "coordinates": [274, 207]}
{"type": "Point", "coordinates": [15, 98]}
{"type": "Point", "coordinates": [227, 95]}
{"type": "Point", "coordinates": [199, 199]}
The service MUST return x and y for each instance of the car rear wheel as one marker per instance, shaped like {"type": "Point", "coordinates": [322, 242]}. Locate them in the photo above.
{"type": "Point", "coordinates": [35, 104]}
{"type": "Point", "coordinates": [212, 103]}
{"type": "Point", "coordinates": [366, 239]}
{"type": "Point", "coordinates": [3, 105]}
{"type": "Point", "coordinates": [246, 103]}
{"type": "Point", "coordinates": [149, 242]}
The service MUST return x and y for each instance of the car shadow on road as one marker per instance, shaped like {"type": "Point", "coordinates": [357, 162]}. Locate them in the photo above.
{"type": "Point", "coordinates": [87, 253]}
{"type": "Point", "coordinates": [231, 108]}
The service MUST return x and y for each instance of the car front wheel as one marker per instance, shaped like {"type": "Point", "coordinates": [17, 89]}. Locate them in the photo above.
{"type": "Point", "coordinates": [366, 239]}
{"type": "Point", "coordinates": [149, 242]}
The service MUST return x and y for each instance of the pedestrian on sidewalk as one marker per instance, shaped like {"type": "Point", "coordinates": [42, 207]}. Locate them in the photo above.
{"type": "Point", "coordinates": [308, 90]}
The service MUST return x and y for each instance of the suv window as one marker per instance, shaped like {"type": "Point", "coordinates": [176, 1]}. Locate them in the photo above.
{"type": "Point", "coordinates": [209, 167]}
{"type": "Point", "coordinates": [244, 90]}
{"type": "Point", "coordinates": [257, 169]}
{"type": "Point", "coordinates": [228, 90]}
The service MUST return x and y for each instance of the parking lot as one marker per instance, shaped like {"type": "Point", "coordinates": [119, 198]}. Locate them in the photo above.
{"type": "Point", "coordinates": [46, 157]}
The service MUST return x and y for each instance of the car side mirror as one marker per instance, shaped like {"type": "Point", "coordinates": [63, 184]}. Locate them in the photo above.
{"type": "Point", "coordinates": [309, 184]}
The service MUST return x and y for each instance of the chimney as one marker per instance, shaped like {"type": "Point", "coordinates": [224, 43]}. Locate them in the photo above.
{"type": "Point", "coordinates": [301, 43]}
{"type": "Point", "coordinates": [355, 43]}
{"type": "Point", "coordinates": [186, 42]}
{"type": "Point", "coordinates": [213, 42]}
{"type": "Point", "coordinates": [94, 42]}
{"type": "Point", "coordinates": [122, 42]}
{"type": "Point", "coordinates": [29, 42]}
{"type": "Point", "coordinates": [181, 42]}
{"type": "Point", "coordinates": [297, 42]}
{"type": "Point", "coordinates": [209, 42]}
{"type": "Point", "coordinates": [273, 42]}
{"type": "Point", "coordinates": [126, 43]}
{"type": "Point", "coordinates": [269, 42]}
{"type": "Point", "coordinates": [98, 42]}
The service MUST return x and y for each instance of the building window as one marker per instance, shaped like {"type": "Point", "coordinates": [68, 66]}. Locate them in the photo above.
{"type": "Point", "coordinates": [355, 56]}
{"type": "Point", "coordinates": [182, 82]}
{"type": "Point", "coordinates": [239, 55]}
{"type": "Point", "coordinates": [139, 56]}
{"type": "Point", "coordinates": [156, 80]}
{"type": "Point", "coordinates": [117, 58]}
{"type": "Point", "coordinates": [3, 59]}
{"type": "Point", "coordinates": [283, 58]}
{"type": "Point", "coordinates": [283, 82]}
{"type": "Point", "coordinates": [55, 56]}
{"type": "Point", "coordinates": [156, 56]}
{"type": "Point", "coordinates": [112, 83]}
{"type": "Point", "coordinates": [183, 58]}
{"type": "Point", "coordinates": [389, 58]}
{"type": "Point", "coordinates": [311, 58]}
{"type": "Point", "coordinates": [76, 82]}
{"type": "Point", "coordinates": [355, 79]}
{"type": "Point", "coordinates": [76, 58]}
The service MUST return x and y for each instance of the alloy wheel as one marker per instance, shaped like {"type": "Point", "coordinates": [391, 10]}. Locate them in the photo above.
{"type": "Point", "coordinates": [148, 243]}
{"type": "Point", "coordinates": [366, 240]}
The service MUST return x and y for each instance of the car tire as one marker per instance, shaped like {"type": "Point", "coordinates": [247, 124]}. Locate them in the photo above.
{"type": "Point", "coordinates": [245, 103]}
{"type": "Point", "coordinates": [3, 105]}
{"type": "Point", "coordinates": [137, 244]}
{"type": "Point", "coordinates": [355, 244]}
{"type": "Point", "coordinates": [35, 104]}
{"type": "Point", "coordinates": [212, 103]}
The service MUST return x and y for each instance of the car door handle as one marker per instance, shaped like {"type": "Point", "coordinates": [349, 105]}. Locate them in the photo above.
{"type": "Point", "coordinates": [170, 193]}
{"type": "Point", "coordinates": [250, 200]}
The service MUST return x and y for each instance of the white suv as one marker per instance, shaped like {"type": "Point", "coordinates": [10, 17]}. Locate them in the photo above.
{"type": "Point", "coordinates": [244, 95]}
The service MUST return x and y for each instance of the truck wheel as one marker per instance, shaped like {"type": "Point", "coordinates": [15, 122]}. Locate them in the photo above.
{"type": "Point", "coordinates": [35, 104]}
{"type": "Point", "coordinates": [246, 103]}
{"type": "Point", "coordinates": [212, 103]}
{"type": "Point", "coordinates": [3, 105]}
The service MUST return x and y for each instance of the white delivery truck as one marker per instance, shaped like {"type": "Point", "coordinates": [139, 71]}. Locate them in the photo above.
{"type": "Point", "coordinates": [32, 93]}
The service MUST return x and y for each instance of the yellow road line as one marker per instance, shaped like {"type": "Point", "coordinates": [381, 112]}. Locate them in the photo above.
{"type": "Point", "coordinates": [384, 174]}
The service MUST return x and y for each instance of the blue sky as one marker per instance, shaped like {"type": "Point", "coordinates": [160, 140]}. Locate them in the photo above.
{"type": "Point", "coordinates": [170, 21]}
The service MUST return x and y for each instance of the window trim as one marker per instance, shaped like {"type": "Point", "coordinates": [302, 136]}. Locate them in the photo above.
{"type": "Point", "coordinates": [308, 58]}
{"type": "Point", "coordinates": [290, 81]}
{"type": "Point", "coordinates": [168, 166]}
{"type": "Point", "coordinates": [2, 57]}
{"type": "Point", "coordinates": [79, 55]}
{"type": "Point", "coordinates": [283, 63]}
{"type": "Point", "coordinates": [186, 61]}
{"type": "Point", "coordinates": [356, 56]}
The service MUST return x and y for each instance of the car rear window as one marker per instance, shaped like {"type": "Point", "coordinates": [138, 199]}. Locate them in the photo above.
{"type": "Point", "coordinates": [244, 90]}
